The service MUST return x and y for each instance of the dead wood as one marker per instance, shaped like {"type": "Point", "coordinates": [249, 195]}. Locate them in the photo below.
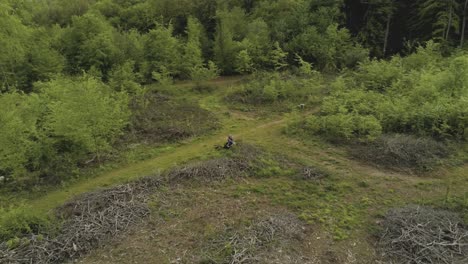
{"type": "Point", "coordinates": [89, 221]}
{"type": "Point", "coordinates": [421, 235]}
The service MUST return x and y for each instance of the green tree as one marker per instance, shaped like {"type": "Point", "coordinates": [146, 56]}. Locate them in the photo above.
{"type": "Point", "coordinates": [122, 78]}
{"type": "Point", "coordinates": [305, 68]}
{"type": "Point", "coordinates": [257, 42]}
{"type": "Point", "coordinates": [278, 57]}
{"type": "Point", "coordinates": [192, 56]}
{"type": "Point", "coordinates": [201, 74]}
{"type": "Point", "coordinates": [161, 52]}
{"type": "Point", "coordinates": [88, 43]}
{"type": "Point", "coordinates": [376, 29]}
{"type": "Point", "coordinates": [244, 62]}
{"type": "Point", "coordinates": [230, 30]}
{"type": "Point", "coordinates": [13, 36]}
{"type": "Point", "coordinates": [43, 61]}
{"type": "Point", "coordinates": [19, 138]}
{"type": "Point", "coordinates": [84, 112]}
{"type": "Point", "coordinates": [442, 15]}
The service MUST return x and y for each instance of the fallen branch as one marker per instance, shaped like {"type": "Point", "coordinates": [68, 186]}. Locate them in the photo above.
{"type": "Point", "coordinates": [420, 235]}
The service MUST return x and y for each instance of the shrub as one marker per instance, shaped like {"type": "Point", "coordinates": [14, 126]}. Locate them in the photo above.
{"type": "Point", "coordinates": [379, 75]}
{"type": "Point", "coordinates": [344, 127]}
{"type": "Point", "coordinates": [267, 88]}
{"type": "Point", "coordinates": [21, 221]}
{"type": "Point", "coordinates": [425, 101]}
{"type": "Point", "coordinates": [330, 49]}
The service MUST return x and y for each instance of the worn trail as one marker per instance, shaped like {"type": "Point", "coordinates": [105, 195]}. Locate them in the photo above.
{"type": "Point", "coordinates": [189, 150]}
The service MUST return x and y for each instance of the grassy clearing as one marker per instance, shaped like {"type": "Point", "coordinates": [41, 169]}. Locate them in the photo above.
{"type": "Point", "coordinates": [341, 211]}
{"type": "Point", "coordinates": [160, 158]}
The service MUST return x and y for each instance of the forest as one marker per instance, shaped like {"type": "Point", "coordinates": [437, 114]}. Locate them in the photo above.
{"type": "Point", "coordinates": [326, 96]}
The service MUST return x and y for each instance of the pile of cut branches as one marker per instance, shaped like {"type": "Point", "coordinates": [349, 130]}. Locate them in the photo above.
{"type": "Point", "coordinates": [420, 235]}
{"type": "Point", "coordinates": [403, 152]}
{"type": "Point", "coordinates": [89, 220]}
{"type": "Point", "coordinates": [95, 218]}
{"type": "Point", "coordinates": [256, 243]}
{"type": "Point", "coordinates": [241, 162]}
{"type": "Point", "coordinates": [211, 170]}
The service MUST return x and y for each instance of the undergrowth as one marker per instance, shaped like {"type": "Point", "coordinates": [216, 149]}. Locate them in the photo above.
{"type": "Point", "coordinates": [313, 202]}
{"type": "Point", "coordinates": [21, 221]}
{"type": "Point", "coordinates": [162, 118]}
{"type": "Point", "coordinates": [270, 88]}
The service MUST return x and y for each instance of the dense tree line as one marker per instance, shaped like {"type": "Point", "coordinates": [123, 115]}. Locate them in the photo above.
{"type": "Point", "coordinates": [43, 38]}
{"type": "Point", "coordinates": [69, 68]}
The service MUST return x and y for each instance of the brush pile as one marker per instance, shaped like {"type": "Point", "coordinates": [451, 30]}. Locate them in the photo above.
{"type": "Point", "coordinates": [259, 242]}
{"type": "Point", "coordinates": [402, 152]}
{"type": "Point", "coordinates": [92, 219]}
{"type": "Point", "coordinates": [242, 162]}
{"type": "Point", "coordinates": [209, 171]}
{"type": "Point", "coordinates": [89, 221]}
{"type": "Point", "coordinates": [421, 235]}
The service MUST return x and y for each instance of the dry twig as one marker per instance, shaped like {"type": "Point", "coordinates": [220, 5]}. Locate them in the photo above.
{"type": "Point", "coordinates": [89, 221]}
{"type": "Point", "coordinates": [421, 235]}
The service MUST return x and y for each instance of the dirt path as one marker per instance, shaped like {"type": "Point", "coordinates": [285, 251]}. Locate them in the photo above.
{"type": "Point", "coordinates": [189, 150]}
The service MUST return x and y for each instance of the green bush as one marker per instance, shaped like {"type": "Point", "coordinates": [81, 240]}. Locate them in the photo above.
{"type": "Point", "coordinates": [21, 220]}
{"type": "Point", "coordinates": [427, 101]}
{"type": "Point", "coordinates": [267, 88]}
{"type": "Point", "coordinates": [379, 75]}
{"type": "Point", "coordinates": [344, 126]}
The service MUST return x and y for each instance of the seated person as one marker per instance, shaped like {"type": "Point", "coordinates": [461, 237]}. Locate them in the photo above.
{"type": "Point", "coordinates": [229, 143]}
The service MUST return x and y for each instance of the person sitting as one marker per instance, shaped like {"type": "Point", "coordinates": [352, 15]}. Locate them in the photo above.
{"type": "Point", "coordinates": [229, 143]}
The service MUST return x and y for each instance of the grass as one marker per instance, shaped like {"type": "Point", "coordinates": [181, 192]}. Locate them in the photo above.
{"type": "Point", "coordinates": [314, 203]}
{"type": "Point", "coordinates": [341, 209]}
{"type": "Point", "coordinates": [162, 158]}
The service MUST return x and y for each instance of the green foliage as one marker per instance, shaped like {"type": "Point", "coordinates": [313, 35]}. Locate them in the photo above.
{"type": "Point", "coordinates": [43, 62]}
{"type": "Point", "coordinates": [41, 39]}
{"type": "Point", "coordinates": [330, 50]}
{"type": "Point", "coordinates": [305, 68]}
{"type": "Point", "coordinates": [244, 62]}
{"type": "Point", "coordinates": [192, 57]}
{"type": "Point", "coordinates": [257, 42]}
{"type": "Point", "coordinates": [27, 53]}
{"type": "Point", "coordinates": [200, 73]}
{"type": "Point", "coordinates": [379, 75]}
{"type": "Point", "coordinates": [19, 221]}
{"type": "Point", "coordinates": [13, 36]}
{"type": "Point", "coordinates": [163, 77]}
{"type": "Point", "coordinates": [123, 79]}
{"type": "Point", "coordinates": [225, 45]}
{"type": "Point", "coordinates": [277, 57]}
{"type": "Point", "coordinates": [89, 43]}
{"type": "Point", "coordinates": [19, 116]}
{"type": "Point", "coordinates": [267, 88]}
{"type": "Point", "coordinates": [314, 203]}
{"type": "Point", "coordinates": [85, 113]}
{"type": "Point", "coordinates": [401, 95]}
{"type": "Point", "coordinates": [161, 52]}
{"type": "Point", "coordinates": [344, 126]}
{"type": "Point", "coordinates": [442, 14]}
